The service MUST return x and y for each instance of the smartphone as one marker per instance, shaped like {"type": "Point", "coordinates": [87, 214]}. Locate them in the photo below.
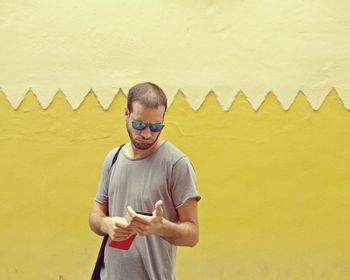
{"type": "Point", "coordinates": [144, 213]}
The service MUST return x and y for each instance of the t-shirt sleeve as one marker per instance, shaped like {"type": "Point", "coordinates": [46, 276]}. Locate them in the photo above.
{"type": "Point", "coordinates": [183, 182]}
{"type": "Point", "coordinates": [102, 192]}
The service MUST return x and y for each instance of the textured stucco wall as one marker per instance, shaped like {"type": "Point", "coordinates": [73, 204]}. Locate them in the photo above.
{"type": "Point", "coordinates": [275, 187]}
{"type": "Point", "coordinates": [275, 183]}
{"type": "Point", "coordinates": [254, 46]}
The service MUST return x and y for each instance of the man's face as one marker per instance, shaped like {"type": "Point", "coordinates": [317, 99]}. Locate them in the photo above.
{"type": "Point", "coordinates": [143, 139]}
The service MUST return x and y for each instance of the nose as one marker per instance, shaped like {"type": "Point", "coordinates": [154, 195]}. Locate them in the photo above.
{"type": "Point", "coordinates": [146, 133]}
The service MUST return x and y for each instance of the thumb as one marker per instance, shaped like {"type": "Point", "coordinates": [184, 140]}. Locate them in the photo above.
{"type": "Point", "coordinates": [130, 214]}
{"type": "Point", "coordinates": [158, 210]}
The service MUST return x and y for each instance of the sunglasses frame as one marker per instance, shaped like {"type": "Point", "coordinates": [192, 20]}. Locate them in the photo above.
{"type": "Point", "coordinates": [144, 125]}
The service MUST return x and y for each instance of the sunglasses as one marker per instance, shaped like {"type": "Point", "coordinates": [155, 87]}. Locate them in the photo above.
{"type": "Point", "coordinates": [154, 127]}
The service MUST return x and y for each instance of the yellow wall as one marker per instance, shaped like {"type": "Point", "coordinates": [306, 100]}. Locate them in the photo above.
{"type": "Point", "coordinates": [275, 187]}
{"type": "Point", "coordinates": [274, 181]}
{"type": "Point", "coordinates": [254, 46]}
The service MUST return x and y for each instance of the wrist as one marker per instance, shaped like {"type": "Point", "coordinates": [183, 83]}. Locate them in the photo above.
{"type": "Point", "coordinates": [161, 228]}
{"type": "Point", "coordinates": [104, 224]}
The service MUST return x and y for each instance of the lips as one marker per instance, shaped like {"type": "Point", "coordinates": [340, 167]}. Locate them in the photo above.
{"type": "Point", "coordinates": [143, 142]}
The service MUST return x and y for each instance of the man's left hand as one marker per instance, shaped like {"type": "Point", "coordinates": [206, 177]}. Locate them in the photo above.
{"type": "Point", "coordinates": [146, 225]}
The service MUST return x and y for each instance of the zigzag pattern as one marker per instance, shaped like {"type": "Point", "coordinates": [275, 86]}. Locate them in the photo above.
{"type": "Point", "coordinates": [194, 105]}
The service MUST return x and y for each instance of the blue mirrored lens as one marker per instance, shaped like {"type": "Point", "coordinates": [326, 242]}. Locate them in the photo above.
{"type": "Point", "coordinates": [138, 125]}
{"type": "Point", "coordinates": [156, 127]}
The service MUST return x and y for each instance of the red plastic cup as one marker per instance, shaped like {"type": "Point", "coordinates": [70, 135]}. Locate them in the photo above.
{"type": "Point", "coordinates": [126, 244]}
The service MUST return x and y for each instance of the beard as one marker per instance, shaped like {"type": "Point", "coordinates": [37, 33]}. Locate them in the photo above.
{"type": "Point", "coordinates": [138, 145]}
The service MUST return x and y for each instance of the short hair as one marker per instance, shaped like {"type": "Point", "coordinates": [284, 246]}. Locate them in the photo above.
{"type": "Point", "coordinates": [147, 94]}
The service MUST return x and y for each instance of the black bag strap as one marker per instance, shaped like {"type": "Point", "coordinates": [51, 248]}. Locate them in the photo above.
{"type": "Point", "coordinates": [101, 253]}
{"type": "Point", "coordinates": [116, 155]}
{"type": "Point", "coordinates": [99, 262]}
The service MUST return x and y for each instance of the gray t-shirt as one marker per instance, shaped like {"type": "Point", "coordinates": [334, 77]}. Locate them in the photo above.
{"type": "Point", "coordinates": [166, 174]}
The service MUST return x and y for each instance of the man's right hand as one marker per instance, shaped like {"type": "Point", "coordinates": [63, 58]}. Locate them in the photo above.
{"type": "Point", "coordinates": [117, 228]}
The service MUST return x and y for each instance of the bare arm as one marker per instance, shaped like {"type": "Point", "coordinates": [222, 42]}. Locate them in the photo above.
{"type": "Point", "coordinates": [98, 212]}
{"type": "Point", "coordinates": [116, 227]}
{"type": "Point", "coordinates": [186, 232]}
{"type": "Point", "coordinates": [183, 233]}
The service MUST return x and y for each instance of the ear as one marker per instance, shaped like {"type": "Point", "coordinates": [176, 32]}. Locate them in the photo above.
{"type": "Point", "coordinates": [126, 112]}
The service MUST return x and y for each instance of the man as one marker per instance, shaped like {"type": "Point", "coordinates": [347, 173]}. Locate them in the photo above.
{"type": "Point", "coordinates": [150, 175]}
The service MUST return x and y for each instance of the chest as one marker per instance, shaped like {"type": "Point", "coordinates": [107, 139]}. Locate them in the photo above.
{"type": "Point", "coordinates": [139, 183]}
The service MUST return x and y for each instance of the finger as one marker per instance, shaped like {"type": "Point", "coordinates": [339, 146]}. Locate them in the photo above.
{"type": "Point", "coordinates": [117, 235]}
{"type": "Point", "coordinates": [122, 225]}
{"type": "Point", "coordinates": [133, 216]}
{"type": "Point", "coordinates": [128, 218]}
{"type": "Point", "coordinates": [131, 212]}
{"type": "Point", "coordinates": [139, 227]}
{"type": "Point", "coordinates": [158, 210]}
{"type": "Point", "coordinates": [120, 238]}
{"type": "Point", "coordinates": [123, 230]}
{"type": "Point", "coordinates": [122, 233]}
{"type": "Point", "coordinates": [119, 221]}
{"type": "Point", "coordinates": [137, 217]}
{"type": "Point", "coordinates": [141, 219]}
{"type": "Point", "coordinates": [140, 232]}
